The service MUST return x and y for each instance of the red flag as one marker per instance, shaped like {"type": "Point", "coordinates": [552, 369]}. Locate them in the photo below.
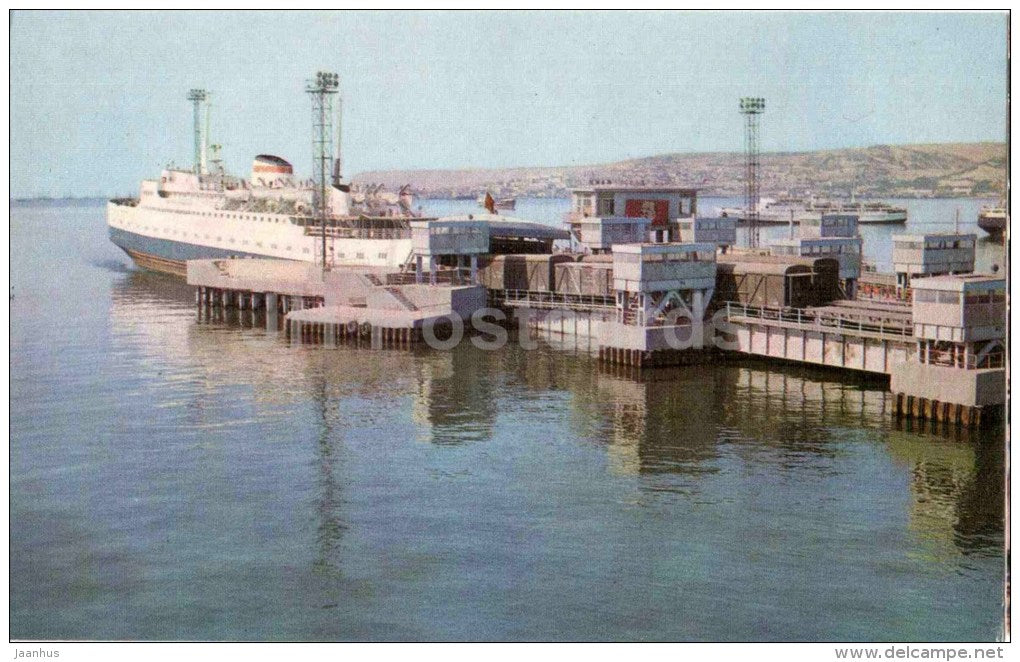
{"type": "Point", "coordinates": [490, 204]}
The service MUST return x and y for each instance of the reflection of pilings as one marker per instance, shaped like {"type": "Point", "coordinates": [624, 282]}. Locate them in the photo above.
{"type": "Point", "coordinates": [659, 358]}
{"type": "Point", "coordinates": [801, 396]}
{"type": "Point", "coordinates": [333, 334]}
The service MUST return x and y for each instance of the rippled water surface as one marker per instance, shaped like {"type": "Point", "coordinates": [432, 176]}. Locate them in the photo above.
{"type": "Point", "coordinates": [181, 479]}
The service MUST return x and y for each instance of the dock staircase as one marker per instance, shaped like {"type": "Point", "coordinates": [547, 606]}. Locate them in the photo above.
{"type": "Point", "coordinates": [409, 264]}
{"type": "Point", "coordinates": [632, 313]}
{"type": "Point", "coordinates": [402, 298]}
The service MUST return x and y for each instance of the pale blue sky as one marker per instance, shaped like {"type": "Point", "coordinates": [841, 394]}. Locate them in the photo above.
{"type": "Point", "coordinates": [98, 99]}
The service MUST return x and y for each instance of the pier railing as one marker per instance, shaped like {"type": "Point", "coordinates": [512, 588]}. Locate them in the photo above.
{"type": "Point", "coordinates": [810, 320]}
{"type": "Point", "coordinates": [553, 300]}
{"type": "Point", "coordinates": [972, 362]}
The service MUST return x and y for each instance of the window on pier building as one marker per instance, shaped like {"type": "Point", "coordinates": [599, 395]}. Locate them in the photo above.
{"type": "Point", "coordinates": [607, 207]}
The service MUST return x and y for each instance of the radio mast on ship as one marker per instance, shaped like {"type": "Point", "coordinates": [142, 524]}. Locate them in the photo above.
{"type": "Point", "coordinates": [322, 89]}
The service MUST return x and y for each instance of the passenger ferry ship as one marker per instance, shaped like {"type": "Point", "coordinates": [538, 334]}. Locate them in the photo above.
{"type": "Point", "coordinates": [203, 212]}
{"type": "Point", "coordinates": [779, 211]}
{"type": "Point", "coordinates": [186, 215]}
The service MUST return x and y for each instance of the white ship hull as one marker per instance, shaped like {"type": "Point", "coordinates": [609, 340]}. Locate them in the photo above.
{"type": "Point", "coordinates": [163, 237]}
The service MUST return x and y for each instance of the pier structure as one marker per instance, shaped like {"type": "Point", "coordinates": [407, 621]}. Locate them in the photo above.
{"type": "Point", "coordinates": [658, 302]}
{"type": "Point", "coordinates": [643, 305]}
{"type": "Point", "coordinates": [719, 231]}
{"type": "Point", "coordinates": [959, 367]}
{"type": "Point", "coordinates": [459, 243]}
{"type": "Point", "coordinates": [435, 291]}
{"type": "Point", "coordinates": [943, 352]}
{"type": "Point", "coordinates": [360, 305]}
{"type": "Point", "coordinates": [605, 214]}
{"type": "Point", "coordinates": [661, 294]}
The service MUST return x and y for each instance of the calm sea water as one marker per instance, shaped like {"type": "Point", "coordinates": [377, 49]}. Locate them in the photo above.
{"type": "Point", "coordinates": [172, 479]}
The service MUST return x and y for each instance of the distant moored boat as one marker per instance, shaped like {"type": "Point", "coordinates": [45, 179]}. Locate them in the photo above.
{"type": "Point", "coordinates": [779, 211]}
{"type": "Point", "coordinates": [992, 219]}
{"type": "Point", "coordinates": [492, 204]}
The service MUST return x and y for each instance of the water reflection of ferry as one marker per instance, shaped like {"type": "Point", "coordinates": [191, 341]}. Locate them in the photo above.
{"type": "Point", "coordinates": [781, 210]}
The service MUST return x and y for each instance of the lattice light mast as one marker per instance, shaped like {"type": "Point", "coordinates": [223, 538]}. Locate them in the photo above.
{"type": "Point", "coordinates": [751, 108]}
{"type": "Point", "coordinates": [197, 97]}
{"type": "Point", "coordinates": [322, 88]}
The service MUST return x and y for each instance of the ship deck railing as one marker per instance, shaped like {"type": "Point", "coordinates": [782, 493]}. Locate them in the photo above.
{"type": "Point", "coordinates": [358, 233]}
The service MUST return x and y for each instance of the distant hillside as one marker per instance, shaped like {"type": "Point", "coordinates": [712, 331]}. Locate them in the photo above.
{"type": "Point", "coordinates": [940, 170]}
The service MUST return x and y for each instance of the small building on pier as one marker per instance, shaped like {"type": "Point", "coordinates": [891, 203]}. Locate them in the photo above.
{"type": "Point", "coordinates": [649, 279]}
{"type": "Point", "coordinates": [459, 241]}
{"type": "Point", "coordinates": [603, 215]}
{"type": "Point", "coordinates": [934, 254]}
{"type": "Point", "coordinates": [965, 309]}
{"type": "Point", "coordinates": [960, 327]}
{"type": "Point", "coordinates": [720, 231]}
{"type": "Point", "coordinates": [830, 225]}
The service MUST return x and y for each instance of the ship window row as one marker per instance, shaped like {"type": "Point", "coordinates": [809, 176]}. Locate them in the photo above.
{"type": "Point", "coordinates": [231, 240]}
{"type": "Point", "coordinates": [209, 214]}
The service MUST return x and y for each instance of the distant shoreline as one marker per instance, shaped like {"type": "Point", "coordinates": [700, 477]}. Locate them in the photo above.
{"type": "Point", "coordinates": [880, 172]}
{"type": "Point", "coordinates": [701, 194]}
{"type": "Point", "coordinates": [88, 198]}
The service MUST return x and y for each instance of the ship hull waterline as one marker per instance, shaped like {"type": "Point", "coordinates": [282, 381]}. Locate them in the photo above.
{"type": "Point", "coordinates": [169, 257]}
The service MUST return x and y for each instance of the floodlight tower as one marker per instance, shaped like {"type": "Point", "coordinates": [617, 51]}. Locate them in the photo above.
{"type": "Point", "coordinates": [197, 96]}
{"type": "Point", "coordinates": [751, 108]}
{"type": "Point", "coordinates": [322, 88]}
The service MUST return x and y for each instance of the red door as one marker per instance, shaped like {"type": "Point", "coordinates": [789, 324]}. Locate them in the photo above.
{"type": "Point", "coordinates": [656, 210]}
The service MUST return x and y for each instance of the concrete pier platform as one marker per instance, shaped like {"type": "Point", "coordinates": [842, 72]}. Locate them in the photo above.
{"type": "Point", "coordinates": [943, 351]}
{"type": "Point", "coordinates": [341, 304]}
